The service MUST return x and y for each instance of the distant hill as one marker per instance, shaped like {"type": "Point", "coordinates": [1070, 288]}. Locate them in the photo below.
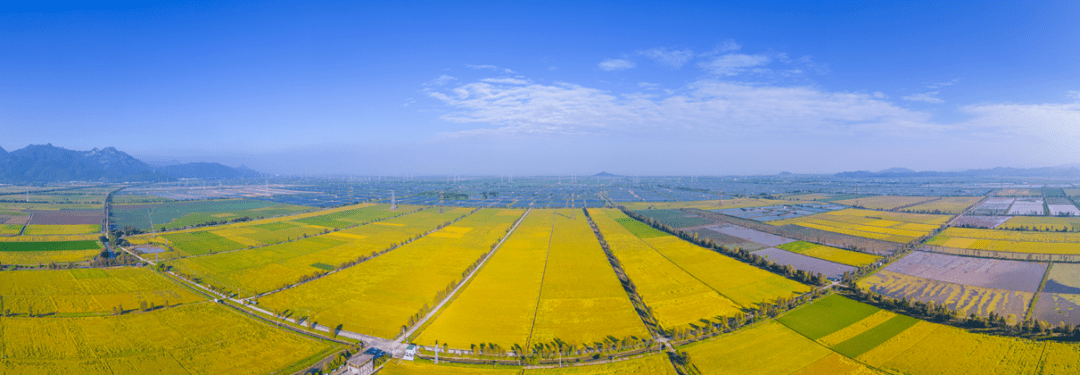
{"type": "Point", "coordinates": [1067, 170]}
{"type": "Point", "coordinates": [48, 163]}
{"type": "Point", "coordinates": [2, 152]}
{"type": "Point", "coordinates": [605, 174]}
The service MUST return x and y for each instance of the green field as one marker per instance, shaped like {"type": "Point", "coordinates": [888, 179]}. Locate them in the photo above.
{"type": "Point", "coordinates": [266, 268]}
{"type": "Point", "coordinates": [675, 218]}
{"type": "Point", "coordinates": [640, 229]}
{"type": "Point", "coordinates": [827, 315]}
{"type": "Point", "coordinates": [174, 215]}
{"type": "Point", "coordinates": [49, 246]}
{"type": "Point", "coordinates": [875, 336]}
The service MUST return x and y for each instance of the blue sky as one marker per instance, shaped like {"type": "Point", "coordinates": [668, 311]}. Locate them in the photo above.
{"type": "Point", "coordinates": [548, 88]}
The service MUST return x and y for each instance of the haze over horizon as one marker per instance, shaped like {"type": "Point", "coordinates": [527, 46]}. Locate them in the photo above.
{"type": "Point", "coordinates": [667, 89]}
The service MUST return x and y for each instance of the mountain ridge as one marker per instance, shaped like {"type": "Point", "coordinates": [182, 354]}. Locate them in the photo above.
{"type": "Point", "coordinates": [48, 163]}
{"type": "Point", "coordinates": [1064, 170]}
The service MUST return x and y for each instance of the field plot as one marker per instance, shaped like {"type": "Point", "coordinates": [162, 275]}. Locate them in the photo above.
{"type": "Point", "coordinates": [499, 304]}
{"type": "Point", "coordinates": [173, 215]}
{"type": "Point", "coordinates": [788, 211]}
{"type": "Point", "coordinates": [1061, 206]}
{"type": "Point", "coordinates": [886, 226]}
{"type": "Point", "coordinates": [969, 299]}
{"type": "Point", "coordinates": [994, 206]}
{"type": "Point", "coordinates": [727, 240]}
{"type": "Point", "coordinates": [201, 338]}
{"type": "Point", "coordinates": [1008, 241]}
{"type": "Point", "coordinates": [1027, 206]}
{"type": "Point", "coordinates": [826, 316]}
{"type": "Point", "coordinates": [258, 233]}
{"type": "Point", "coordinates": [1017, 192]}
{"type": "Point", "coordinates": [51, 229]}
{"type": "Point", "coordinates": [67, 217]}
{"type": "Point", "coordinates": [769, 348]}
{"type": "Point", "coordinates": [831, 270]}
{"type": "Point", "coordinates": [1055, 308]}
{"type": "Point", "coordinates": [945, 205]}
{"type": "Point", "coordinates": [378, 297]}
{"type": "Point", "coordinates": [650, 364]}
{"type": "Point", "coordinates": [581, 300]}
{"type": "Point", "coordinates": [751, 235]}
{"type": "Point", "coordinates": [1048, 224]}
{"type": "Point", "coordinates": [986, 222]}
{"type": "Point", "coordinates": [93, 290]}
{"type": "Point", "coordinates": [676, 218]}
{"type": "Point", "coordinates": [744, 284]}
{"type": "Point", "coordinates": [885, 202]}
{"type": "Point", "coordinates": [676, 298]}
{"type": "Point", "coordinates": [1063, 278]}
{"type": "Point", "coordinates": [987, 273]}
{"type": "Point", "coordinates": [832, 254]}
{"type": "Point", "coordinates": [927, 348]}
{"type": "Point", "coordinates": [267, 268]}
{"type": "Point", "coordinates": [704, 205]}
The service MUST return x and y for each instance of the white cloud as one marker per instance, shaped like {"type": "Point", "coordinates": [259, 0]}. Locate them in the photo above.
{"type": "Point", "coordinates": [616, 64]}
{"type": "Point", "coordinates": [727, 46]}
{"type": "Point", "coordinates": [734, 63]}
{"type": "Point", "coordinates": [705, 107]}
{"type": "Point", "coordinates": [675, 58]}
{"type": "Point", "coordinates": [928, 97]}
{"type": "Point", "coordinates": [489, 67]}
{"type": "Point", "coordinates": [442, 80]}
{"type": "Point", "coordinates": [1074, 94]}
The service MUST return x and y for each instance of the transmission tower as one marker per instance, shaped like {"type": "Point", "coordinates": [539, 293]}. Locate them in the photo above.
{"type": "Point", "coordinates": [393, 201]}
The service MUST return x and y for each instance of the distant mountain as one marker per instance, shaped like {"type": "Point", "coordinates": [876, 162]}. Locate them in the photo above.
{"type": "Point", "coordinates": [48, 163]}
{"type": "Point", "coordinates": [605, 174]}
{"type": "Point", "coordinates": [2, 152]}
{"type": "Point", "coordinates": [1067, 170]}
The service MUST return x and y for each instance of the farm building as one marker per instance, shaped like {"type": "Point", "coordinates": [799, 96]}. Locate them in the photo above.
{"type": "Point", "coordinates": [360, 364]}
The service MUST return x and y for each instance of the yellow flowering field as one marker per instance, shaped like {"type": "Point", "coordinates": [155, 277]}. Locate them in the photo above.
{"type": "Point", "coordinates": [88, 290]}
{"type": "Point", "coordinates": [47, 229]}
{"type": "Point", "coordinates": [188, 339]}
{"type": "Point", "coordinates": [676, 298]}
{"type": "Point", "coordinates": [379, 296]}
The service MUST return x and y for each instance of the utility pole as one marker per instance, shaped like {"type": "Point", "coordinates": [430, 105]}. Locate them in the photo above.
{"type": "Point", "coordinates": [393, 201]}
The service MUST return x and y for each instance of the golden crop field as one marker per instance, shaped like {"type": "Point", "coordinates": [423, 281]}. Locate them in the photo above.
{"type": "Point", "coordinates": [875, 319]}
{"type": "Point", "coordinates": [967, 298]}
{"type": "Point", "coordinates": [52, 238]}
{"type": "Point", "coordinates": [887, 226]}
{"type": "Point", "coordinates": [499, 304]}
{"type": "Point", "coordinates": [768, 348]}
{"type": "Point", "coordinates": [1043, 223]}
{"type": "Point", "coordinates": [705, 205]}
{"type": "Point", "coordinates": [203, 338]}
{"type": "Point", "coordinates": [46, 229]}
{"type": "Point", "coordinates": [676, 298]}
{"type": "Point", "coordinates": [928, 348]}
{"type": "Point", "coordinates": [1018, 193]}
{"type": "Point", "coordinates": [1008, 241]}
{"type": "Point", "coordinates": [377, 297]}
{"type": "Point", "coordinates": [945, 205]}
{"type": "Point", "coordinates": [88, 290]}
{"type": "Point", "coordinates": [46, 257]}
{"type": "Point", "coordinates": [650, 364]}
{"type": "Point", "coordinates": [263, 269]}
{"type": "Point", "coordinates": [744, 284]}
{"type": "Point", "coordinates": [829, 253]}
{"type": "Point", "coordinates": [884, 202]}
{"type": "Point", "coordinates": [581, 300]}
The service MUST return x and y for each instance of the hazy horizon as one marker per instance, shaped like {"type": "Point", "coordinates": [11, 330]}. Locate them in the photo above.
{"type": "Point", "coordinates": [483, 89]}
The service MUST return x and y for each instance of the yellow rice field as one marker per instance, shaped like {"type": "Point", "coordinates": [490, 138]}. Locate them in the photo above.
{"type": "Point", "coordinates": [499, 304]}
{"type": "Point", "coordinates": [581, 300]}
{"type": "Point", "coordinates": [768, 348]}
{"type": "Point", "coordinates": [378, 297]}
{"type": "Point", "coordinates": [88, 290]}
{"type": "Point", "coordinates": [676, 298]}
{"type": "Point", "coordinates": [1043, 223]}
{"type": "Point", "coordinates": [46, 229]}
{"type": "Point", "coordinates": [267, 268]}
{"type": "Point", "coordinates": [884, 202]}
{"type": "Point", "coordinates": [1009, 241]}
{"type": "Point", "coordinates": [743, 284]}
{"type": "Point", "coordinates": [650, 364]}
{"type": "Point", "coordinates": [203, 338]}
{"type": "Point", "coordinates": [887, 226]}
{"type": "Point", "coordinates": [705, 205]}
{"type": "Point", "coordinates": [928, 348]}
{"type": "Point", "coordinates": [46, 257]}
{"type": "Point", "coordinates": [945, 205]}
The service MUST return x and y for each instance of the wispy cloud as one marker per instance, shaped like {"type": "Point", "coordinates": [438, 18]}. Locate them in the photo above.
{"type": "Point", "coordinates": [733, 63]}
{"type": "Point", "coordinates": [937, 85]}
{"type": "Point", "coordinates": [616, 64]}
{"type": "Point", "coordinates": [673, 58]}
{"type": "Point", "coordinates": [442, 80]}
{"type": "Point", "coordinates": [928, 97]}
{"type": "Point", "coordinates": [489, 67]}
{"type": "Point", "coordinates": [1073, 95]}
